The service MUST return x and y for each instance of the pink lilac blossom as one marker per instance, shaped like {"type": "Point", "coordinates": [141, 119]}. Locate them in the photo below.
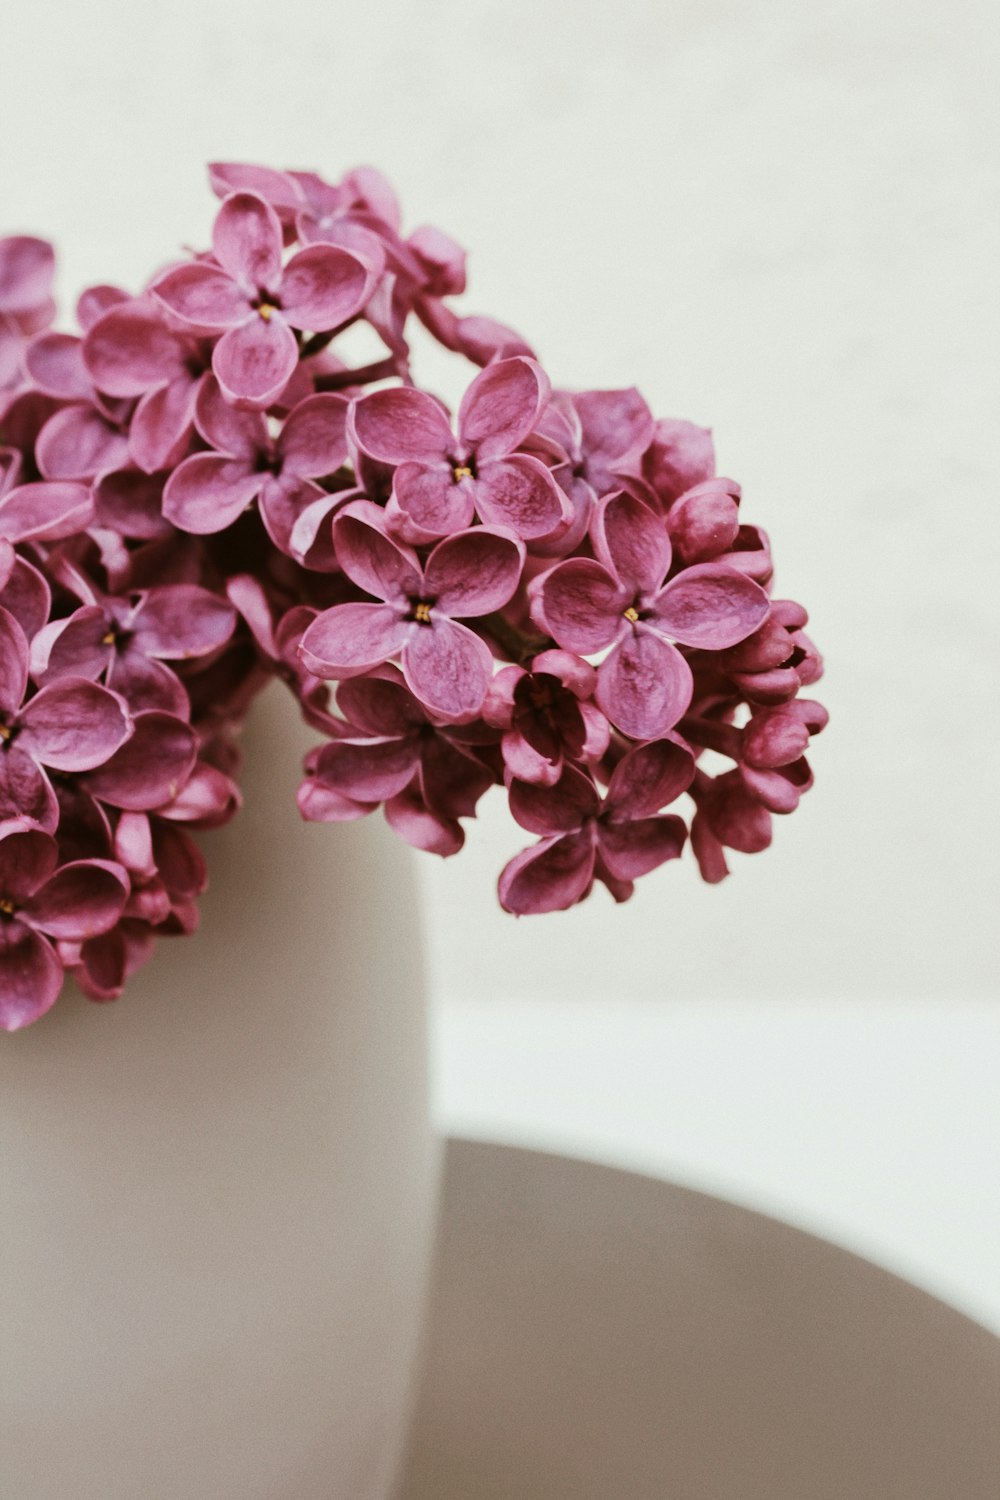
{"type": "Point", "coordinates": [549, 595]}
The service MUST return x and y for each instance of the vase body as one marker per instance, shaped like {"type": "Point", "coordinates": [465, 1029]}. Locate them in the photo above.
{"type": "Point", "coordinates": [217, 1194]}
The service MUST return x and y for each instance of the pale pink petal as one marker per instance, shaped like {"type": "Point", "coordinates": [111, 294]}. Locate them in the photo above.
{"type": "Point", "coordinates": [80, 900]}
{"type": "Point", "coordinates": [431, 498]}
{"type": "Point", "coordinates": [447, 667]}
{"type": "Point", "coordinates": [203, 296]}
{"type": "Point", "coordinates": [401, 424]}
{"type": "Point", "coordinates": [313, 441]}
{"type": "Point", "coordinates": [94, 301]}
{"type": "Point", "coordinates": [277, 188]}
{"type": "Point", "coordinates": [323, 286]}
{"type": "Point", "coordinates": [375, 563]}
{"type": "Point", "coordinates": [77, 443]}
{"type": "Point", "coordinates": [648, 778]}
{"type": "Point", "coordinates": [526, 763]}
{"type": "Point", "coordinates": [27, 266]}
{"type": "Point", "coordinates": [13, 663]}
{"type": "Point", "coordinates": [31, 976]}
{"type": "Point", "coordinates": [282, 502]}
{"type": "Point", "coordinates": [581, 605]}
{"type": "Point", "coordinates": [474, 572]}
{"type": "Point", "coordinates": [552, 876]}
{"type": "Point", "coordinates": [631, 542]}
{"type": "Point", "coordinates": [150, 768]}
{"type": "Point", "coordinates": [208, 798]}
{"type": "Point", "coordinates": [644, 686]}
{"type": "Point", "coordinates": [634, 848]}
{"type": "Point", "coordinates": [54, 363]}
{"type": "Point", "coordinates": [711, 606]}
{"type": "Point", "coordinates": [131, 348]}
{"type": "Point", "coordinates": [73, 725]}
{"type": "Point", "coordinates": [246, 238]}
{"type": "Point", "coordinates": [254, 361]}
{"type": "Point", "coordinates": [572, 671]}
{"type": "Point", "coordinates": [146, 684]}
{"type": "Point", "coordinates": [521, 493]}
{"type": "Point", "coordinates": [501, 407]}
{"type": "Point", "coordinates": [206, 493]}
{"type": "Point", "coordinates": [27, 859]}
{"type": "Point", "coordinates": [351, 638]}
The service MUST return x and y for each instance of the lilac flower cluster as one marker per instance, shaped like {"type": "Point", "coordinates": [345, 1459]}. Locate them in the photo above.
{"type": "Point", "coordinates": [550, 592]}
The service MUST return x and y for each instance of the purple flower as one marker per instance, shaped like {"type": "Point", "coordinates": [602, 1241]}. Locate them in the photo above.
{"type": "Point", "coordinates": [445, 664]}
{"type": "Point", "coordinates": [621, 599]}
{"type": "Point", "coordinates": [442, 481]}
{"type": "Point", "coordinates": [615, 840]}
{"type": "Point", "coordinates": [255, 304]}
{"type": "Point", "coordinates": [547, 716]}
{"type": "Point", "coordinates": [680, 456]}
{"type": "Point", "coordinates": [27, 265]}
{"type": "Point", "coordinates": [46, 511]}
{"type": "Point", "coordinates": [39, 902]}
{"type": "Point", "coordinates": [208, 491]}
{"type": "Point", "coordinates": [70, 725]}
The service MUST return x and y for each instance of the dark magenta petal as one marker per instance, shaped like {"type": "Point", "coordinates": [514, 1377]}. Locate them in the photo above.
{"type": "Point", "coordinates": [207, 492]}
{"type": "Point", "coordinates": [26, 595]}
{"type": "Point", "coordinates": [367, 770]}
{"type": "Point", "coordinates": [131, 348]}
{"type": "Point", "coordinates": [147, 684]}
{"type": "Point", "coordinates": [707, 851]}
{"type": "Point", "coordinates": [553, 876]}
{"type": "Point", "coordinates": [448, 668]}
{"type": "Point", "coordinates": [711, 606]}
{"type": "Point", "coordinates": [634, 848]}
{"type": "Point", "coordinates": [705, 522]}
{"type": "Point", "coordinates": [452, 780]}
{"type": "Point", "coordinates": [735, 816]}
{"type": "Point", "coordinates": [31, 975]}
{"type": "Point", "coordinates": [474, 572]}
{"type": "Point", "coordinates": [779, 790]}
{"type": "Point", "coordinates": [380, 704]}
{"type": "Point", "coordinates": [631, 542]}
{"type": "Point", "coordinates": [526, 763]}
{"type": "Point", "coordinates": [773, 739]}
{"type": "Point", "coordinates": [77, 443]}
{"type": "Point", "coordinates": [313, 441]}
{"type": "Point", "coordinates": [255, 360]}
{"type": "Point", "coordinates": [80, 900]}
{"type": "Point", "coordinates": [614, 426]}
{"type": "Point", "coordinates": [680, 456]}
{"type": "Point", "coordinates": [581, 605]}
{"type": "Point", "coordinates": [352, 638]}
{"type": "Point", "coordinates": [373, 561]}
{"type": "Point", "coordinates": [13, 663]}
{"type": "Point", "coordinates": [321, 804]}
{"type": "Point", "coordinates": [177, 620]}
{"type": "Point", "coordinates": [203, 296]}
{"type": "Point", "coordinates": [644, 685]}
{"type": "Point", "coordinates": [45, 511]}
{"type": "Point", "coordinates": [323, 286]}
{"type": "Point", "coordinates": [73, 725]}
{"type": "Point", "coordinates": [408, 815]}
{"type": "Point", "coordinates": [521, 493]}
{"type": "Point", "coordinates": [27, 859]}
{"type": "Point", "coordinates": [562, 808]}
{"type": "Point", "coordinates": [76, 647]}
{"type": "Point", "coordinates": [398, 425]}
{"type": "Point", "coordinates": [131, 502]}
{"type": "Point", "coordinates": [246, 238]}
{"type": "Point", "coordinates": [648, 778]}
{"type": "Point", "coordinates": [150, 768]}
{"type": "Point", "coordinates": [25, 790]}
{"type": "Point", "coordinates": [432, 500]}
{"type": "Point", "coordinates": [501, 407]}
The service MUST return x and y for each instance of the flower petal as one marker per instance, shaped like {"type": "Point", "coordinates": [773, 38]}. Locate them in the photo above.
{"type": "Point", "coordinates": [711, 606]}
{"type": "Point", "coordinates": [367, 770]}
{"type": "Point", "coordinates": [562, 808]}
{"type": "Point", "coordinates": [447, 667]}
{"type": "Point", "coordinates": [206, 493]}
{"type": "Point", "coordinates": [77, 443]}
{"type": "Point", "coordinates": [352, 638]}
{"type": "Point", "coordinates": [161, 424]}
{"type": "Point", "coordinates": [27, 266]}
{"type": "Point", "coordinates": [13, 663]}
{"type": "Point", "coordinates": [75, 647]}
{"type": "Point", "coordinates": [74, 725]}
{"type": "Point", "coordinates": [235, 433]}
{"type": "Point", "coordinates": [27, 859]}
{"type": "Point", "coordinates": [203, 296]}
{"type": "Point", "coordinates": [614, 425]}
{"type": "Point", "coordinates": [473, 572]}
{"type": "Point", "coordinates": [401, 424]}
{"type": "Point", "coordinates": [31, 975]}
{"type": "Point", "coordinates": [26, 595]}
{"type": "Point", "coordinates": [25, 790]}
{"type": "Point", "coordinates": [254, 361]}
{"type": "Point", "coordinates": [634, 848]}
{"type": "Point", "coordinates": [408, 815]}
{"type": "Point", "coordinates": [150, 768]}
{"type": "Point", "coordinates": [451, 779]}
{"type": "Point", "coordinates": [313, 441]}
{"type": "Point", "coordinates": [246, 238]}
{"type": "Point", "coordinates": [54, 363]}
{"type": "Point", "coordinates": [130, 349]}
{"type": "Point", "coordinates": [521, 493]}
{"type": "Point", "coordinates": [374, 562]}
{"type": "Point", "coordinates": [47, 511]}
{"type": "Point", "coordinates": [380, 705]}
{"type": "Point", "coordinates": [501, 406]}
{"type": "Point", "coordinates": [323, 286]}
{"type": "Point", "coordinates": [680, 456]}
{"type": "Point", "coordinates": [581, 605]}
{"type": "Point", "coordinates": [131, 502]}
{"type": "Point", "coordinates": [648, 778]}
{"type": "Point", "coordinates": [552, 876]}
{"type": "Point", "coordinates": [644, 686]}
{"type": "Point", "coordinates": [80, 900]}
{"type": "Point", "coordinates": [631, 542]}
{"type": "Point", "coordinates": [431, 498]}
{"type": "Point", "coordinates": [181, 620]}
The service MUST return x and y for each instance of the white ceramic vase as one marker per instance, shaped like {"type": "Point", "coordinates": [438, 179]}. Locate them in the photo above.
{"type": "Point", "coordinates": [217, 1194]}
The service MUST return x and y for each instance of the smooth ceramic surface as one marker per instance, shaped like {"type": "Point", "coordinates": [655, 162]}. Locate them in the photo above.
{"type": "Point", "coordinates": [216, 1196]}
{"type": "Point", "coordinates": [597, 1335]}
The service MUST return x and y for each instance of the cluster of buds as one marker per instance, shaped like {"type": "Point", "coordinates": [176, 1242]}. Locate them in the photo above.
{"type": "Point", "coordinates": [551, 592]}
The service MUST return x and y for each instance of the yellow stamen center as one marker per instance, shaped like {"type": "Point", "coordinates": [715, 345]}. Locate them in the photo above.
{"type": "Point", "coordinates": [462, 471]}
{"type": "Point", "coordinates": [4, 732]}
{"type": "Point", "coordinates": [7, 907]}
{"type": "Point", "coordinates": [422, 613]}
{"type": "Point", "coordinates": [265, 309]}
{"type": "Point", "coordinates": [632, 614]}
{"type": "Point", "coordinates": [109, 639]}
